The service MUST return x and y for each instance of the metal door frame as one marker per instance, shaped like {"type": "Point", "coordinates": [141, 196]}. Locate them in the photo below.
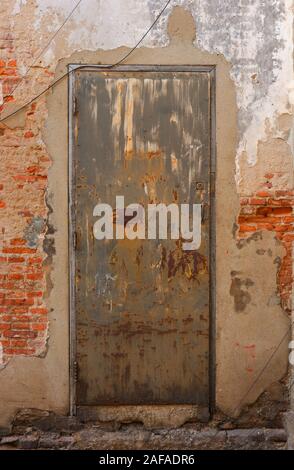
{"type": "Point", "coordinates": [211, 69]}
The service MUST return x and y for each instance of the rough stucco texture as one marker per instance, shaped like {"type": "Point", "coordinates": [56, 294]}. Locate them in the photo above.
{"type": "Point", "coordinates": [255, 38]}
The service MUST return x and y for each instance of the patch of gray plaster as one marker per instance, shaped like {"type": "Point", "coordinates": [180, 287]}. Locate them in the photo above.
{"type": "Point", "coordinates": [33, 231]}
{"type": "Point", "coordinates": [240, 291]}
{"type": "Point", "coordinates": [256, 38]}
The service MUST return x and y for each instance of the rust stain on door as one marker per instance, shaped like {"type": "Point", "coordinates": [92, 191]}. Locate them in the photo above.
{"type": "Point", "coordinates": [142, 306]}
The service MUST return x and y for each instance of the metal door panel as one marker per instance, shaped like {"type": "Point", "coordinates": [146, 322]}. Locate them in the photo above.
{"type": "Point", "coordinates": [141, 306]}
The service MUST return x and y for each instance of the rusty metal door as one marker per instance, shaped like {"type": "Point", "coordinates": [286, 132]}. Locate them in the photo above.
{"type": "Point", "coordinates": [141, 306]}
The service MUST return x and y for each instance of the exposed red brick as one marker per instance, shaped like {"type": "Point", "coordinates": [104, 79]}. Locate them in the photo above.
{"type": "Point", "coordinates": [275, 213]}
{"type": "Point", "coordinates": [20, 326]}
{"type": "Point", "coordinates": [19, 250]}
{"type": "Point", "coordinates": [35, 294]}
{"type": "Point", "coordinates": [244, 201]}
{"type": "Point", "coordinates": [19, 351]}
{"type": "Point", "coordinates": [15, 276]}
{"type": "Point", "coordinates": [19, 343]}
{"type": "Point", "coordinates": [35, 260]}
{"type": "Point", "coordinates": [257, 201]}
{"type": "Point", "coordinates": [281, 202]}
{"type": "Point", "coordinates": [39, 311]}
{"type": "Point", "coordinates": [263, 194]}
{"type": "Point", "coordinates": [35, 276]}
{"type": "Point", "coordinates": [34, 169]}
{"type": "Point", "coordinates": [20, 310]}
{"type": "Point", "coordinates": [284, 193]}
{"type": "Point", "coordinates": [28, 134]}
{"type": "Point", "coordinates": [7, 71]}
{"type": "Point", "coordinates": [247, 228]}
{"type": "Point", "coordinates": [9, 98]}
{"type": "Point", "coordinates": [16, 259]}
{"type": "Point", "coordinates": [19, 334]}
{"type": "Point", "coordinates": [17, 241]}
{"type": "Point", "coordinates": [39, 327]}
{"type": "Point", "coordinates": [273, 210]}
{"type": "Point", "coordinates": [21, 301]}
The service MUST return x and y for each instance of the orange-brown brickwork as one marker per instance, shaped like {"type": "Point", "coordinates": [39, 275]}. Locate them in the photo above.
{"type": "Point", "coordinates": [24, 166]}
{"type": "Point", "coordinates": [273, 211]}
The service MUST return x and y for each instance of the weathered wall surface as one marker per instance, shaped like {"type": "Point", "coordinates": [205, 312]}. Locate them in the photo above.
{"type": "Point", "coordinates": [251, 45]}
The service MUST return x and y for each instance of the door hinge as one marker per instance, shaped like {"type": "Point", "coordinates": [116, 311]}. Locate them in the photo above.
{"type": "Point", "coordinates": [75, 371]}
{"type": "Point", "coordinates": [75, 240]}
{"type": "Point", "coordinates": [74, 105]}
{"type": "Point", "coordinates": [212, 184]}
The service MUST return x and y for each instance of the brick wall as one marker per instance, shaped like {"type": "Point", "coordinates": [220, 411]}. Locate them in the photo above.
{"type": "Point", "coordinates": [272, 210]}
{"type": "Point", "coordinates": [23, 225]}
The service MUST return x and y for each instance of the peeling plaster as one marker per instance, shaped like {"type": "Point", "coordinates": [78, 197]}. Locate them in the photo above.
{"type": "Point", "coordinates": [254, 36]}
{"type": "Point", "coordinates": [18, 6]}
{"type": "Point", "coordinates": [274, 159]}
{"type": "Point", "coordinates": [218, 30]}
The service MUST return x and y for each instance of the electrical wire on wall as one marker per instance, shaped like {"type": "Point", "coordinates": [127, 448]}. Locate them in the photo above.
{"type": "Point", "coordinates": [56, 82]}
{"type": "Point", "coordinates": [45, 48]}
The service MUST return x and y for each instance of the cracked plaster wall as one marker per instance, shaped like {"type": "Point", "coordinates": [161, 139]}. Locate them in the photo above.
{"type": "Point", "coordinates": [255, 38]}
